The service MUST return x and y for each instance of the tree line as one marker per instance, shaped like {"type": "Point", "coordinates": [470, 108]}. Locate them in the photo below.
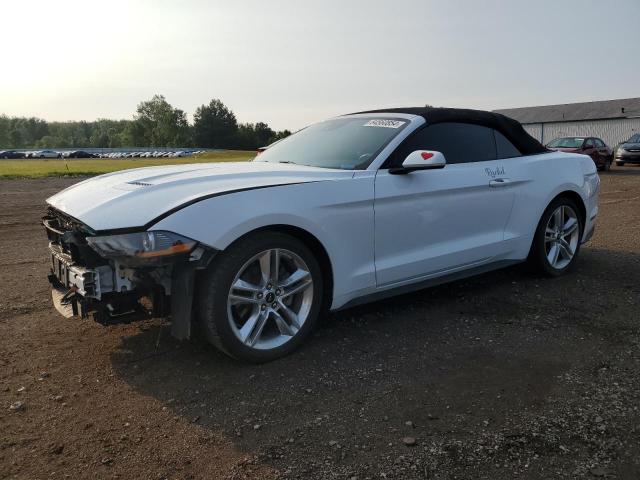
{"type": "Point", "coordinates": [156, 123]}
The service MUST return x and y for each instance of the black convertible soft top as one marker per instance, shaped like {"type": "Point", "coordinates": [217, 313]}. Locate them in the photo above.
{"type": "Point", "coordinates": [507, 126]}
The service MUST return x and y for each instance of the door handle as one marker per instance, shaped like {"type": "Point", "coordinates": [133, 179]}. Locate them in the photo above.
{"type": "Point", "coordinates": [499, 182]}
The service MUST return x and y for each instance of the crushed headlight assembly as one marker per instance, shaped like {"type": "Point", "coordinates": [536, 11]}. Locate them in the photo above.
{"type": "Point", "coordinates": [143, 248]}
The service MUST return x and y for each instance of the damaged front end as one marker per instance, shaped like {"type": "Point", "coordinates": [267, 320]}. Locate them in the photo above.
{"type": "Point", "coordinates": [122, 276]}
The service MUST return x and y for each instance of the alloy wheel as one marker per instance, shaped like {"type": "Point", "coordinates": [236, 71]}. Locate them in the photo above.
{"type": "Point", "coordinates": [561, 237]}
{"type": "Point", "coordinates": [270, 299]}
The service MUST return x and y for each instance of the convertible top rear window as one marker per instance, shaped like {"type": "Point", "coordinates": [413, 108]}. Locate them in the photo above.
{"type": "Point", "coordinates": [349, 143]}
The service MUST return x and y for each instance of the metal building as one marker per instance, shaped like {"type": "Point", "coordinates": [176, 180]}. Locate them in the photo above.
{"type": "Point", "coordinates": [614, 121]}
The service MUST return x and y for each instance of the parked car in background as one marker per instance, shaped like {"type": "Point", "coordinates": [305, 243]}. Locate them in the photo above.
{"type": "Point", "coordinates": [629, 151]}
{"type": "Point", "coordinates": [256, 251]}
{"type": "Point", "coordinates": [78, 154]}
{"type": "Point", "coordinates": [46, 154]}
{"type": "Point", "coordinates": [6, 154]}
{"type": "Point", "coordinates": [599, 152]}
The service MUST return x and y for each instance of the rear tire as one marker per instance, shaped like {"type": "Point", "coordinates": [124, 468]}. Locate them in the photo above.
{"type": "Point", "coordinates": [255, 316]}
{"type": "Point", "coordinates": [556, 243]}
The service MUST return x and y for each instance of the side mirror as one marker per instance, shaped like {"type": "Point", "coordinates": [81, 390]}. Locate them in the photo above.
{"type": "Point", "coordinates": [420, 160]}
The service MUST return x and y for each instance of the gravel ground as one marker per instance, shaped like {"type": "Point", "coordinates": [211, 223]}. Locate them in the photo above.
{"type": "Point", "coordinates": [502, 376]}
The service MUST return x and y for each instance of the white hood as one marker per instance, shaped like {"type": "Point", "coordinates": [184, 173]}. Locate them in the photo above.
{"type": "Point", "coordinates": [134, 198]}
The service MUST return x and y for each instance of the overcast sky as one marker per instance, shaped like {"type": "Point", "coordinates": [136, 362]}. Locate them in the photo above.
{"type": "Point", "coordinates": [290, 63]}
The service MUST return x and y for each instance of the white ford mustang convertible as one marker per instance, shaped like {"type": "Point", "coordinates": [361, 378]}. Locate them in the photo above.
{"type": "Point", "coordinates": [345, 211]}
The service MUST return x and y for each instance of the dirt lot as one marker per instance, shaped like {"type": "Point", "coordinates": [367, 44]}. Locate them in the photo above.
{"type": "Point", "coordinates": [502, 376]}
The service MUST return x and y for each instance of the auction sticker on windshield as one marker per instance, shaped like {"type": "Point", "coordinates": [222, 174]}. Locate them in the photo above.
{"type": "Point", "coordinates": [379, 122]}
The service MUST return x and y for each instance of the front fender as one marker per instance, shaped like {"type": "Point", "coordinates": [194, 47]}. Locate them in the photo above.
{"type": "Point", "coordinates": [339, 213]}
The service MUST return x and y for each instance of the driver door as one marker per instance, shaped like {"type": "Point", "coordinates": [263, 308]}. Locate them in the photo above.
{"type": "Point", "coordinates": [433, 222]}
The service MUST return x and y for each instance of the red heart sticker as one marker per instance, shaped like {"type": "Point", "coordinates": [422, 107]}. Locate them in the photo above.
{"type": "Point", "coordinates": [426, 155]}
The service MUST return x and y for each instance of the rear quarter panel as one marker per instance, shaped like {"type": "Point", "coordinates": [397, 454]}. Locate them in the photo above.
{"type": "Point", "coordinates": [539, 179]}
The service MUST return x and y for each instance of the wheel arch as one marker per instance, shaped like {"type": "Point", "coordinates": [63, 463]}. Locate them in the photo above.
{"type": "Point", "coordinates": [576, 197]}
{"type": "Point", "coordinates": [563, 192]}
{"type": "Point", "coordinates": [312, 242]}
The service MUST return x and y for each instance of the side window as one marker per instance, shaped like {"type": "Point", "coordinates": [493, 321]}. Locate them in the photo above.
{"type": "Point", "coordinates": [504, 147]}
{"type": "Point", "coordinates": [589, 143]}
{"type": "Point", "coordinates": [459, 142]}
{"type": "Point", "coordinates": [599, 143]}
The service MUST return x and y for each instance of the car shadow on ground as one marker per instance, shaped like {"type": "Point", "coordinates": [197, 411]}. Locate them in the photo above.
{"type": "Point", "coordinates": [471, 353]}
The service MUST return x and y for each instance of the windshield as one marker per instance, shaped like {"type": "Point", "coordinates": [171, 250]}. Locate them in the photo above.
{"type": "Point", "coordinates": [567, 142]}
{"type": "Point", "coordinates": [634, 139]}
{"type": "Point", "coordinates": [348, 143]}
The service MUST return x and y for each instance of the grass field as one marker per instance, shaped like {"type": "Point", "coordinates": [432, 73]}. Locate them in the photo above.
{"type": "Point", "coordinates": [27, 168]}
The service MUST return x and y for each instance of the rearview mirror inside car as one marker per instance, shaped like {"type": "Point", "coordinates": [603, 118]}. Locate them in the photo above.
{"type": "Point", "coordinates": [420, 160]}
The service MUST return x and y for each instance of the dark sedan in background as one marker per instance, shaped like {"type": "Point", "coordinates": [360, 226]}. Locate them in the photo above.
{"type": "Point", "coordinates": [6, 154]}
{"type": "Point", "coordinates": [600, 153]}
{"type": "Point", "coordinates": [629, 151]}
{"type": "Point", "coordinates": [78, 154]}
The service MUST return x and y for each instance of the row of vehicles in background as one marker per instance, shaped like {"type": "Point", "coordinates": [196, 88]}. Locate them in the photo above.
{"type": "Point", "coordinates": [13, 154]}
{"type": "Point", "coordinates": [155, 154]}
{"type": "Point", "coordinates": [602, 155]}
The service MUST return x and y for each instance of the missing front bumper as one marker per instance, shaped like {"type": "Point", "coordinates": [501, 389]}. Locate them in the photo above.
{"type": "Point", "coordinates": [120, 308]}
{"type": "Point", "coordinates": [88, 282]}
{"type": "Point", "coordinates": [113, 293]}
{"type": "Point", "coordinates": [92, 292]}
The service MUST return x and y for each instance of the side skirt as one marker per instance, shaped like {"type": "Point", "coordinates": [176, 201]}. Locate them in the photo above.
{"type": "Point", "coordinates": [430, 282]}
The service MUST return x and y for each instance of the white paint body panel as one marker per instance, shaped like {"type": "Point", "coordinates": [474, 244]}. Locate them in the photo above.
{"type": "Point", "coordinates": [379, 230]}
{"type": "Point", "coordinates": [435, 221]}
{"type": "Point", "coordinates": [133, 198]}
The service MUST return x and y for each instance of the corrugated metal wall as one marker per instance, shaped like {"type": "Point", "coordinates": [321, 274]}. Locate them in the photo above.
{"type": "Point", "coordinates": [535, 130]}
{"type": "Point", "coordinates": [611, 131]}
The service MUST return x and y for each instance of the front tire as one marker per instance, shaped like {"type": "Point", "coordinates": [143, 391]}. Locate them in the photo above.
{"type": "Point", "coordinates": [620, 164]}
{"type": "Point", "coordinates": [260, 299]}
{"type": "Point", "coordinates": [556, 243]}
